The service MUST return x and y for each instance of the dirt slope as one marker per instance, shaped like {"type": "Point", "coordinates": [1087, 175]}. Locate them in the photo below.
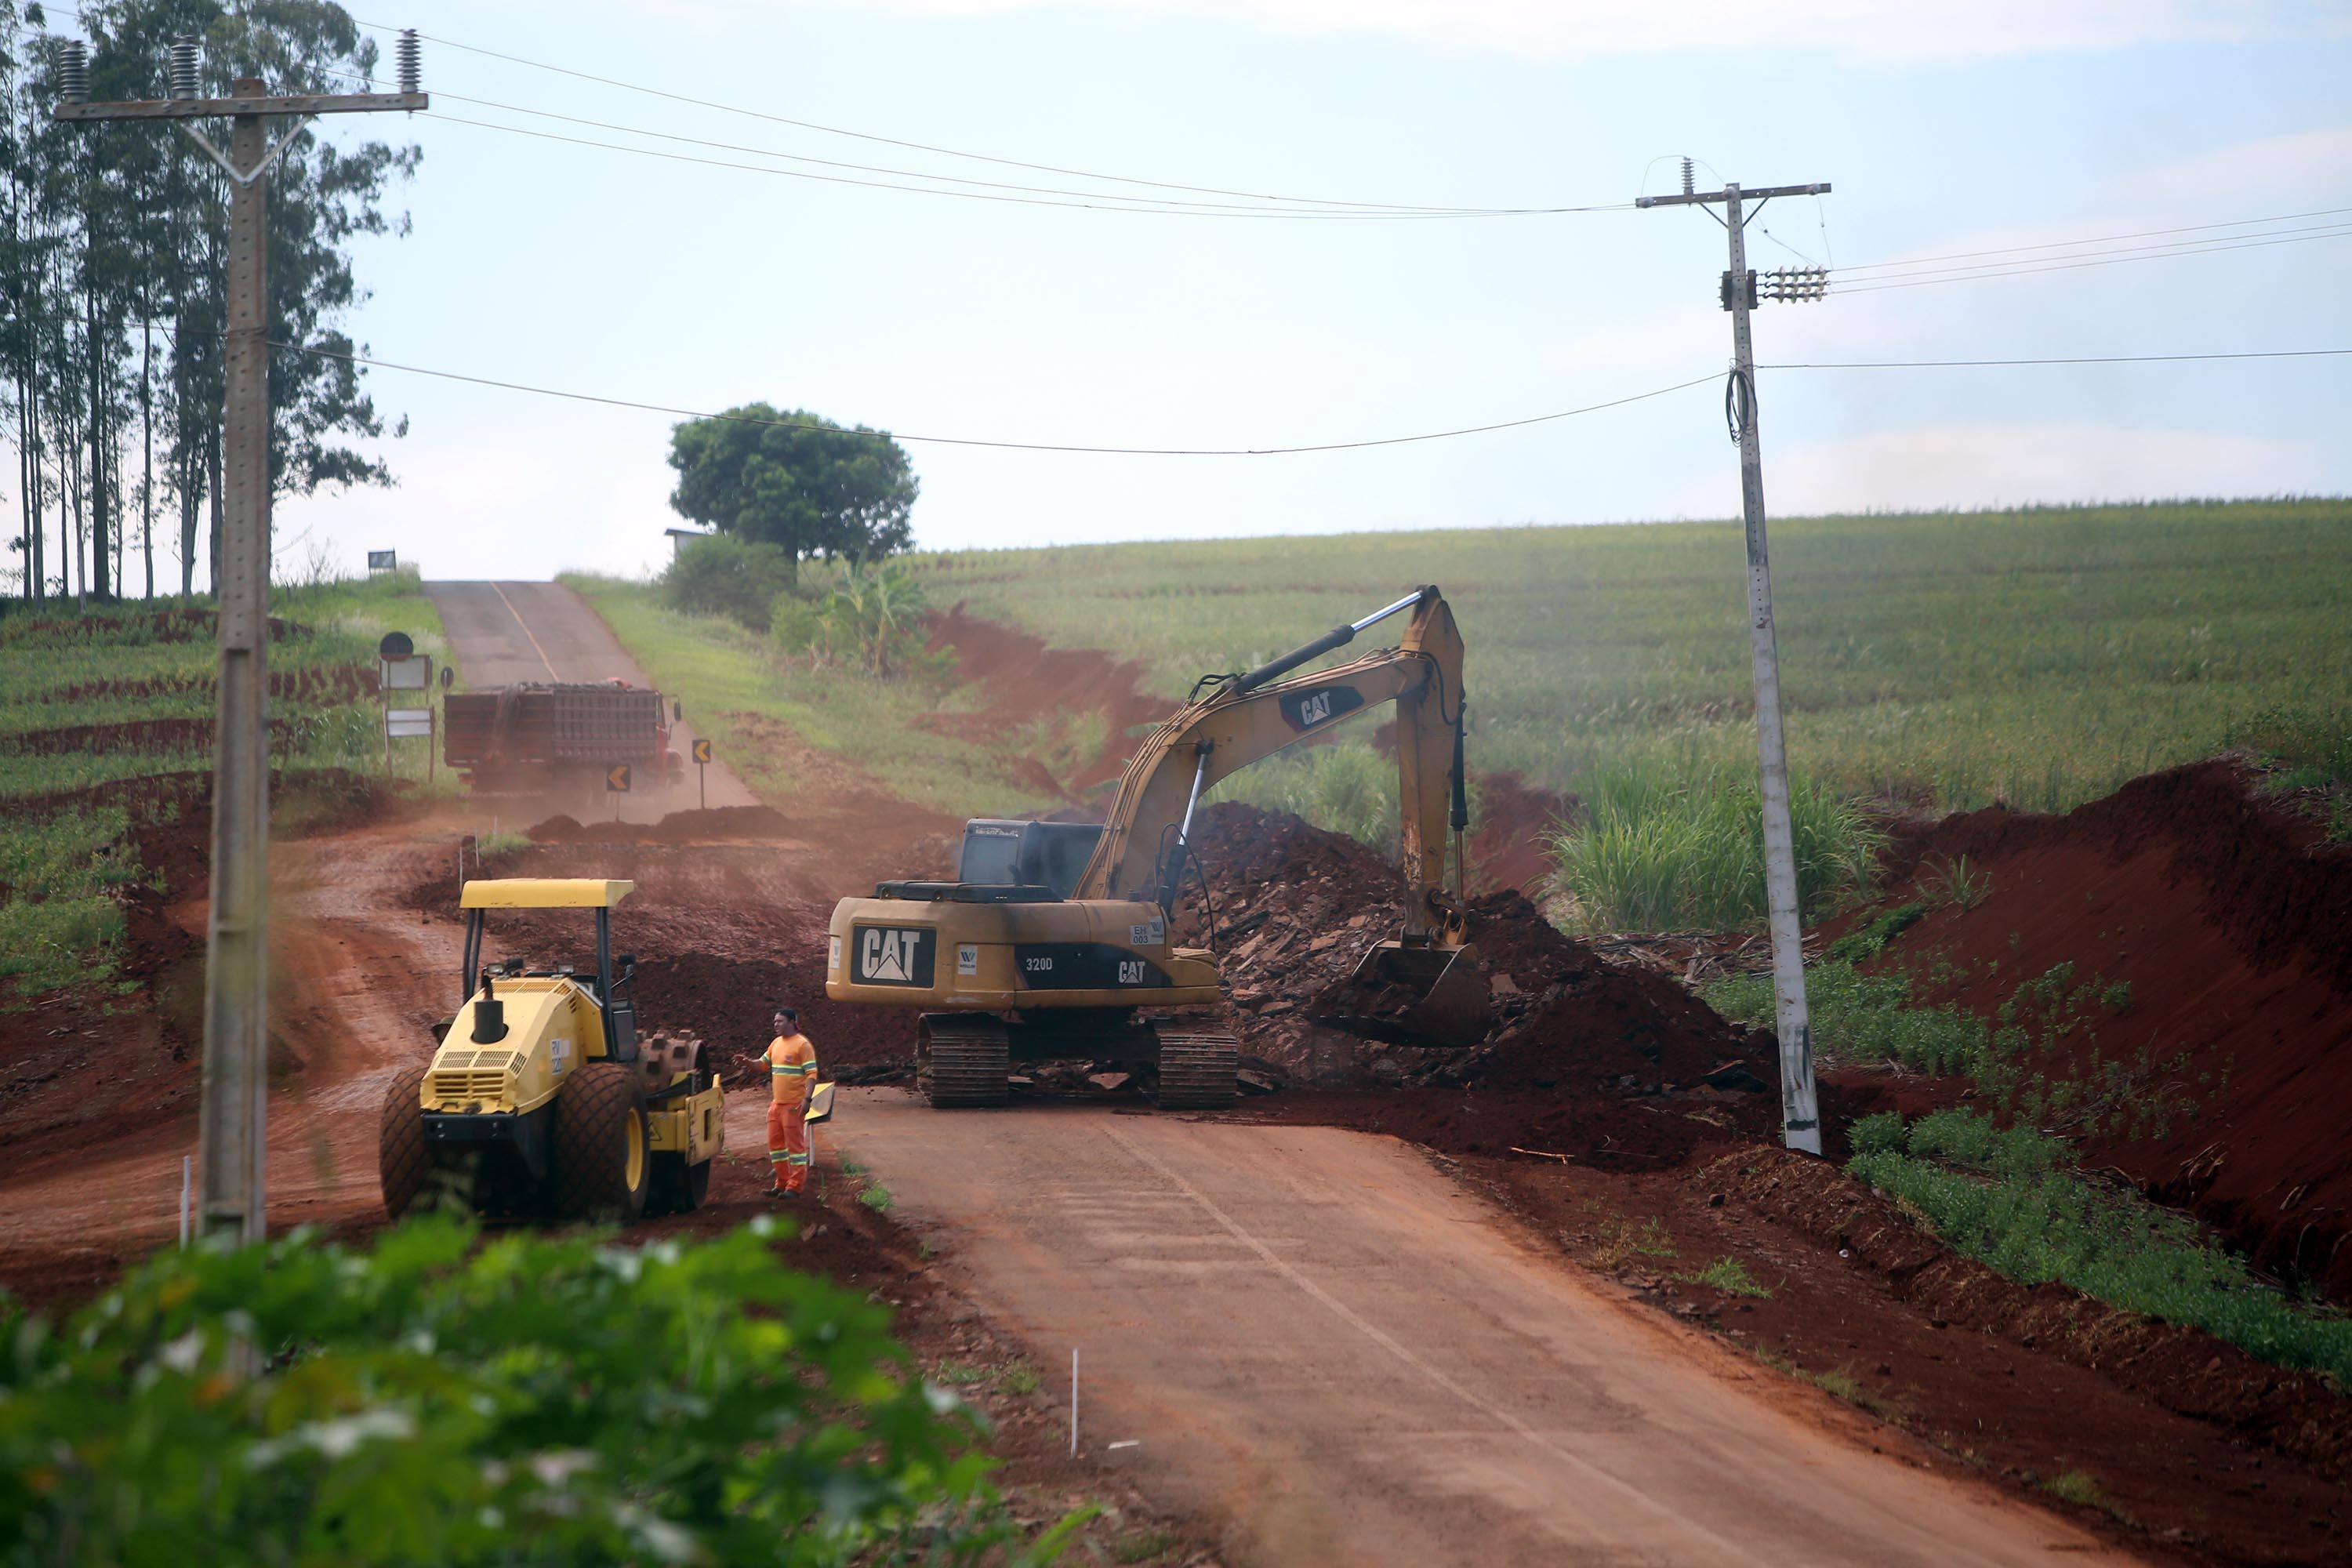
{"type": "Point", "coordinates": [2232, 924]}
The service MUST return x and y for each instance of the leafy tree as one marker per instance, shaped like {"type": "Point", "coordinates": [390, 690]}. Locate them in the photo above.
{"type": "Point", "coordinates": [869, 617]}
{"type": "Point", "coordinates": [795, 480]}
{"type": "Point", "coordinates": [450, 1399]}
{"type": "Point", "coordinates": [725, 575]}
{"type": "Point", "coordinates": [112, 241]}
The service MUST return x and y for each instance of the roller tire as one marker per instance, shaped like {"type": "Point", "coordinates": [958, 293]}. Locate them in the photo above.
{"type": "Point", "coordinates": [961, 1063]}
{"type": "Point", "coordinates": [678, 1187]}
{"type": "Point", "coordinates": [403, 1162]}
{"type": "Point", "coordinates": [1197, 1071]}
{"type": "Point", "coordinates": [590, 1175]}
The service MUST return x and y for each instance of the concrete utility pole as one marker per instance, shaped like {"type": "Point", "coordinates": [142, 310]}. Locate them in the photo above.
{"type": "Point", "coordinates": [232, 1136]}
{"type": "Point", "coordinates": [1801, 1125]}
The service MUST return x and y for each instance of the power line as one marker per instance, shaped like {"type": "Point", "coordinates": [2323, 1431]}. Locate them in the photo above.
{"type": "Point", "coordinates": [953, 152]}
{"type": "Point", "coordinates": [1109, 202]}
{"type": "Point", "coordinates": [2092, 239]}
{"type": "Point", "coordinates": [2162, 248]}
{"type": "Point", "coordinates": [2074, 359]}
{"type": "Point", "coordinates": [1006, 445]}
{"type": "Point", "coordinates": [2191, 247]}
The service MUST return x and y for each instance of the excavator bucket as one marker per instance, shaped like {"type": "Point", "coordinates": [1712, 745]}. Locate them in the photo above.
{"type": "Point", "coordinates": [1410, 995]}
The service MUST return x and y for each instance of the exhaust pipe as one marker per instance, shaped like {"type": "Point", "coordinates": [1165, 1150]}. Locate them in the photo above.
{"type": "Point", "coordinates": [490, 1016]}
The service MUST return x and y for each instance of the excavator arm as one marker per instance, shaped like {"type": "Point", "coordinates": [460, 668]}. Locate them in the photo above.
{"type": "Point", "coordinates": [1249, 716]}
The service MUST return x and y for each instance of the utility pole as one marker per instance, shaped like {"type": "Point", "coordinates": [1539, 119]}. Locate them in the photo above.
{"type": "Point", "coordinates": [1800, 1124]}
{"type": "Point", "coordinates": [232, 1138]}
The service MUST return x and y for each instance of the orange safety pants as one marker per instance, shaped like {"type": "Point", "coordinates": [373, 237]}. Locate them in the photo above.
{"type": "Point", "coordinates": [788, 1144]}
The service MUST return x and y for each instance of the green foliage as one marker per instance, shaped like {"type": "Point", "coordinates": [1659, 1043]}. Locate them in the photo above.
{"type": "Point", "coordinates": [724, 575]}
{"type": "Point", "coordinates": [2035, 656]}
{"type": "Point", "coordinates": [1347, 788]}
{"type": "Point", "coordinates": [1659, 849]}
{"type": "Point", "coordinates": [447, 1398]}
{"type": "Point", "coordinates": [1728, 1275]}
{"type": "Point", "coordinates": [1868, 942]}
{"type": "Point", "coordinates": [1020, 1378]}
{"type": "Point", "coordinates": [795, 480]}
{"type": "Point", "coordinates": [1955, 884]}
{"type": "Point", "coordinates": [875, 1195]}
{"type": "Point", "coordinates": [61, 920]}
{"type": "Point", "coordinates": [2013, 1199]}
{"type": "Point", "coordinates": [862, 616]}
{"type": "Point", "coordinates": [1142, 1546]}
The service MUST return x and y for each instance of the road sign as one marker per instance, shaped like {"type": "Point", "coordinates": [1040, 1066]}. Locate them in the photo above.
{"type": "Point", "coordinates": [384, 561]}
{"type": "Point", "coordinates": [701, 751]}
{"type": "Point", "coordinates": [405, 723]}
{"type": "Point", "coordinates": [414, 673]}
{"type": "Point", "coordinates": [396, 645]}
{"type": "Point", "coordinates": [616, 778]}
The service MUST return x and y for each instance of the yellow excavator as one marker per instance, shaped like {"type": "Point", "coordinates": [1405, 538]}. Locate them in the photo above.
{"type": "Point", "coordinates": [1056, 934]}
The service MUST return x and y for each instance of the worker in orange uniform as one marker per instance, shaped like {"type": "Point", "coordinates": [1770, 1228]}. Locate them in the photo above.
{"type": "Point", "coordinates": [792, 1068]}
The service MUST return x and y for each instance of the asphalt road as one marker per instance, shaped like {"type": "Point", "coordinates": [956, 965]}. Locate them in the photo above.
{"type": "Point", "coordinates": [1318, 1338]}
{"type": "Point", "coordinates": [502, 633]}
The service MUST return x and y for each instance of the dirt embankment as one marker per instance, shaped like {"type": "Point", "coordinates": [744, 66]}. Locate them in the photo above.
{"type": "Point", "coordinates": [2230, 923]}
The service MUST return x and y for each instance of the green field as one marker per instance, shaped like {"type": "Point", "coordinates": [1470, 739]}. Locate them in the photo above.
{"type": "Point", "coordinates": [69, 678]}
{"type": "Point", "coordinates": [2040, 656]}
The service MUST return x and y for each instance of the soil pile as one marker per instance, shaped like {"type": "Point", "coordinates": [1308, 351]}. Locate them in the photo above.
{"type": "Point", "coordinates": [1298, 908]}
{"type": "Point", "coordinates": [2230, 924]}
{"type": "Point", "coordinates": [714, 824]}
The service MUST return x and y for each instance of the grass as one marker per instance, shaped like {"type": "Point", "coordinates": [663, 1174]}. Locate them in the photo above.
{"type": "Point", "coordinates": [766, 714]}
{"type": "Point", "coordinates": [961, 1374]}
{"type": "Point", "coordinates": [1730, 1276]}
{"type": "Point", "coordinates": [1661, 848]}
{"type": "Point", "coordinates": [1142, 1546]}
{"type": "Point", "coordinates": [2013, 1199]}
{"type": "Point", "coordinates": [2076, 1487]}
{"type": "Point", "coordinates": [1020, 1378]}
{"type": "Point", "coordinates": [1619, 1242]}
{"type": "Point", "coordinates": [63, 870]}
{"type": "Point", "coordinates": [2041, 655]}
{"type": "Point", "coordinates": [875, 1196]}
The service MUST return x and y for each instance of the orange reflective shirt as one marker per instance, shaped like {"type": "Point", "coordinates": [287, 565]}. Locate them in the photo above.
{"type": "Point", "coordinates": [792, 1066]}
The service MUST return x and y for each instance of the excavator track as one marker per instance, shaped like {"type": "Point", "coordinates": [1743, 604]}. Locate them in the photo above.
{"type": "Point", "coordinates": [1196, 1071]}
{"type": "Point", "coordinates": [963, 1060]}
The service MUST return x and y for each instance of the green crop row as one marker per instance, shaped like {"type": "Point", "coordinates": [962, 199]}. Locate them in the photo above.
{"type": "Point", "coordinates": [2041, 656]}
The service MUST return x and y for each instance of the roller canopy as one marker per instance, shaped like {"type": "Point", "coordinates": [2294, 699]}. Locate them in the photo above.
{"type": "Point", "coordinates": [543, 893]}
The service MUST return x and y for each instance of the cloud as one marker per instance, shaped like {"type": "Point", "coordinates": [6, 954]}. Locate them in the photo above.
{"type": "Point", "coordinates": [1961, 466]}
{"type": "Point", "coordinates": [1867, 30]}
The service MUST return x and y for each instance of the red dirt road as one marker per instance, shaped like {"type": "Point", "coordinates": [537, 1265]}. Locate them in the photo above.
{"type": "Point", "coordinates": [1331, 1349]}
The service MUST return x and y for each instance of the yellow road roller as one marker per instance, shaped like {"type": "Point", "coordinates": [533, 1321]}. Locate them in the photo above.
{"type": "Point", "coordinates": [541, 1099]}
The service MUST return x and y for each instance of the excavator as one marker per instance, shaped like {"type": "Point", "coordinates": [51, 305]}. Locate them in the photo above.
{"type": "Point", "coordinates": [1055, 935]}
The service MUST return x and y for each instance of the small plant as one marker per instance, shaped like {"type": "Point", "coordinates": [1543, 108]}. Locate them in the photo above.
{"type": "Point", "coordinates": [1870, 940]}
{"type": "Point", "coordinates": [876, 1197]}
{"type": "Point", "coordinates": [1656, 1241]}
{"type": "Point", "coordinates": [1839, 1384]}
{"type": "Point", "coordinates": [1142, 1546]}
{"type": "Point", "coordinates": [1730, 1275]}
{"type": "Point", "coordinates": [2076, 1487]}
{"type": "Point", "coordinates": [961, 1373]}
{"type": "Point", "coordinates": [1020, 1378]}
{"type": "Point", "coordinates": [850, 1167]}
{"type": "Point", "coordinates": [1957, 884]}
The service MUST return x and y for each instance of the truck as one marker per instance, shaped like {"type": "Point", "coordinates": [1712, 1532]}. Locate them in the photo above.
{"type": "Point", "coordinates": [555, 738]}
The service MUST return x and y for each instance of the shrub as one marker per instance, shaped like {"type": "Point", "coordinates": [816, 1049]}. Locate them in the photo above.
{"type": "Point", "coordinates": [723, 575]}
{"type": "Point", "coordinates": [870, 618]}
{"type": "Point", "coordinates": [446, 1399]}
{"type": "Point", "coordinates": [1661, 847]}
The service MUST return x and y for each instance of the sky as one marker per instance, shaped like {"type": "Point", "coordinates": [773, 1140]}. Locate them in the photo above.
{"type": "Point", "coordinates": [1943, 128]}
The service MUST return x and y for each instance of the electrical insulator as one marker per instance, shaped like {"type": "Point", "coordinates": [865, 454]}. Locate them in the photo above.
{"type": "Point", "coordinates": [185, 69]}
{"type": "Point", "coordinates": [73, 72]}
{"type": "Point", "coordinates": [403, 52]}
{"type": "Point", "coordinates": [1690, 186]}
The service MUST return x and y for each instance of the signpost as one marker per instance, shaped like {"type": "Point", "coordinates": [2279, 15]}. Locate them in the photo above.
{"type": "Point", "coordinates": [380, 561]}
{"type": "Point", "coordinates": [701, 761]}
{"type": "Point", "coordinates": [616, 784]}
{"type": "Point", "coordinates": [400, 668]}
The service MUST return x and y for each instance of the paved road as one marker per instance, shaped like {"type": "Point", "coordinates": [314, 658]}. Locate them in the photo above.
{"type": "Point", "coordinates": [1324, 1343]}
{"type": "Point", "coordinates": [502, 633]}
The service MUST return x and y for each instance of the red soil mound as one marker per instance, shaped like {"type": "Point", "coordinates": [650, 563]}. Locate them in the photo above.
{"type": "Point", "coordinates": [2232, 924]}
{"type": "Point", "coordinates": [1299, 908]}
{"type": "Point", "coordinates": [1025, 682]}
{"type": "Point", "coordinates": [325, 685]}
{"type": "Point", "coordinates": [712, 823]}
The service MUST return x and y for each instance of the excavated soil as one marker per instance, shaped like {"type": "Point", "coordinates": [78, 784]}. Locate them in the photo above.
{"type": "Point", "coordinates": [325, 686]}
{"type": "Point", "coordinates": [2230, 923]}
{"type": "Point", "coordinates": [711, 824]}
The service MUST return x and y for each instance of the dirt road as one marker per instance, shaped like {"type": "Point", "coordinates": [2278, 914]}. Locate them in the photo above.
{"type": "Point", "coordinates": [1341, 1355]}
{"type": "Point", "coordinates": [502, 633]}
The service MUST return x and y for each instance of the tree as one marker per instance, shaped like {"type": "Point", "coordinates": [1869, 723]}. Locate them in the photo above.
{"type": "Point", "coordinates": [795, 480]}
